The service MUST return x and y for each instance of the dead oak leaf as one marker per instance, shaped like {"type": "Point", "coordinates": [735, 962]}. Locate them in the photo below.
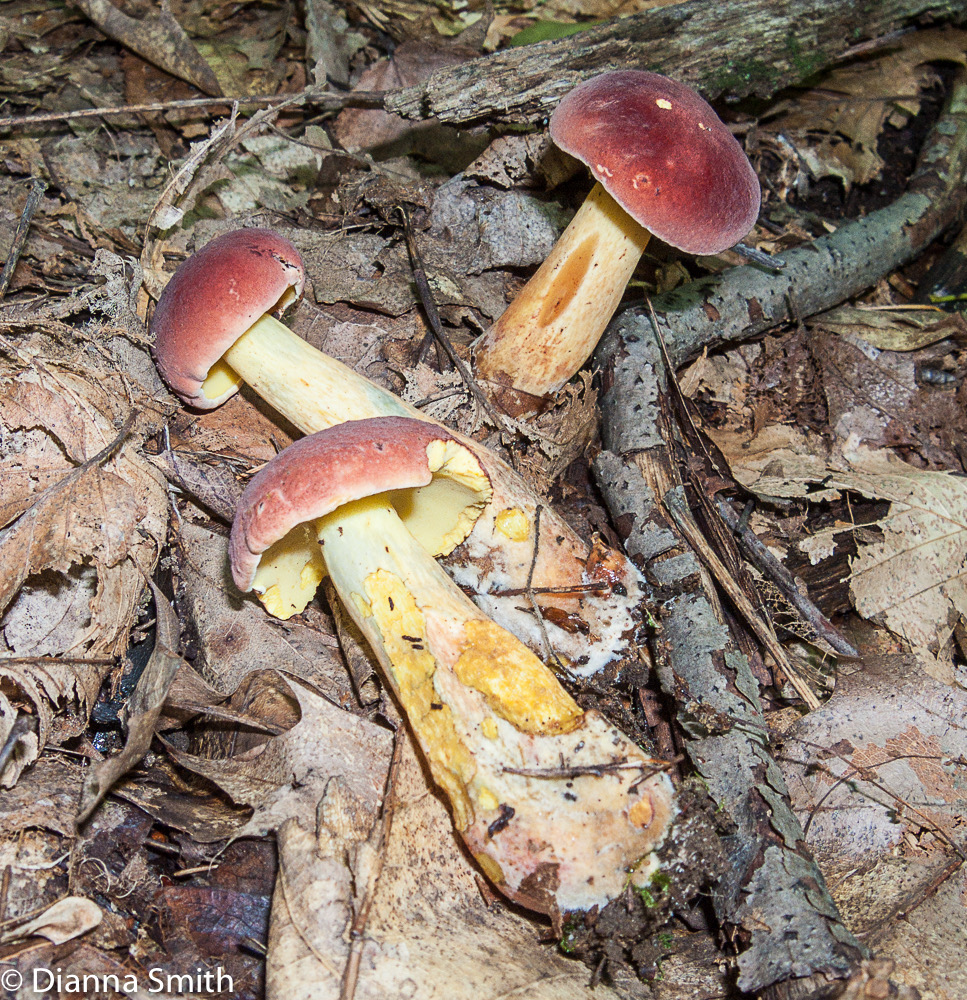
{"type": "Point", "coordinates": [286, 776]}
{"type": "Point", "coordinates": [90, 513]}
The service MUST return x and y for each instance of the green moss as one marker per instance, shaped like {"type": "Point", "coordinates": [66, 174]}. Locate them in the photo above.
{"type": "Point", "coordinates": [689, 295]}
{"type": "Point", "coordinates": [569, 932]}
{"type": "Point", "coordinates": [805, 62]}
{"type": "Point", "coordinates": [738, 74]}
{"type": "Point", "coordinates": [660, 881]}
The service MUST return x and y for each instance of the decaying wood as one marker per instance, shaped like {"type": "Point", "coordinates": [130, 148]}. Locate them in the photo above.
{"type": "Point", "coordinates": [741, 48]}
{"type": "Point", "coordinates": [773, 894]}
{"type": "Point", "coordinates": [745, 301]}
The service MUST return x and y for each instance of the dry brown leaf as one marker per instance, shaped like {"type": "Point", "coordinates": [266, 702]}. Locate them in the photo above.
{"type": "Point", "coordinates": [910, 575]}
{"type": "Point", "coordinates": [90, 513]}
{"type": "Point", "coordinates": [236, 637]}
{"type": "Point", "coordinates": [879, 397]}
{"type": "Point", "coordinates": [913, 579]}
{"type": "Point", "coordinates": [141, 711]}
{"type": "Point", "coordinates": [71, 552]}
{"type": "Point", "coordinates": [430, 934]}
{"type": "Point", "coordinates": [522, 161]}
{"type": "Point", "coordinates": [875, 778]}
{"type": "Point", "coordinates": [286, 776]}
{"type": "Point", "coordinates": [779, 461]}
{"type": "Point", "coordinates": [45, 797]}
{"type": "Point", "coordinates": [837, 136]}
{"type": "Point", "coordinates": [893, 330]}
{"type": "Point", "coordinates": [67, 919]}
{"type": "Point", "coordinates": [411, 63]}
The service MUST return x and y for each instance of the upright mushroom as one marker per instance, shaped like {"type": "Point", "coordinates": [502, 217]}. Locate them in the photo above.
{"type": "Point", "coordinates": [214, 327]}
{"type": "Point", "coordinates": [665, 164]}
{"type": "Point", "coordinates": [560, 810]}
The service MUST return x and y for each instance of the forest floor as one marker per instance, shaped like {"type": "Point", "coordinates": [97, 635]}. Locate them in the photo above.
{"type": "Point", "coordinates": [194, 789]}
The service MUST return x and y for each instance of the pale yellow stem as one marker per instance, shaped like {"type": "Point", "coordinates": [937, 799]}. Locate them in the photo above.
{"type": "Point", "coordinates": [553, 325]}
{"type": "Point", "coordinates": [309, 388]}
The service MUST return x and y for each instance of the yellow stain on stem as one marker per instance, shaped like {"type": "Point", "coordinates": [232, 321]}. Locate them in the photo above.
{"type": "Point", "coordinates": [402, 628]}
{"type": "Point", "coordinates": [514, 682]}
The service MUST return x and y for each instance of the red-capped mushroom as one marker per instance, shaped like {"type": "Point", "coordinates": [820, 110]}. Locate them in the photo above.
{"type": "Point", "coordinates": [206, 331]}
{"type": "Point", "coordinates": [666, 165]}
{"type": "Point", "coordinates": [560, 810]}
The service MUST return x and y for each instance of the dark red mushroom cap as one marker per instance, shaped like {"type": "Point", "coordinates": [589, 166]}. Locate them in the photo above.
{"type": "Point", "coordinates": [664, 155]}
{"type": "Point", "coordinates": [317, 474]}
{"type": "Point", "coordinates": [213, 298]}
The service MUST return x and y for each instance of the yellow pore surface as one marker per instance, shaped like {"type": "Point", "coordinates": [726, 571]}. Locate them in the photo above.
{"type": "Point", "coordinates": [289, 573]}
{"type": "Point", "coordinates": [442, 514]}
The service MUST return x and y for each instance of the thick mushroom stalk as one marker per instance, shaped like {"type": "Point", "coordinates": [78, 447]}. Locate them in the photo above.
{"type": "Point", "coordinates": [551, 328]}
{"type": "Point", "coordinates": [665, 164]}
{"type": "Point", "coordinates": [213, 329]}
{"type": "Point", "coordinates": [560, 809]}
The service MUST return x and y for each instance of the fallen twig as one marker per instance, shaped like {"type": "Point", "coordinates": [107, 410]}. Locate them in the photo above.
{"type": "Point", "coordinates": [436, 326]}
{"type": "Point", "coordinates": [785, 581]}
{"type": "Point", "coordinates": [773, 893]}
{"type": "Point", "coordinates": [357, 928]}
{"type": "Point", "coordinates": [741, 48]}
{"type": "Point", "coordinates": [37, 190]}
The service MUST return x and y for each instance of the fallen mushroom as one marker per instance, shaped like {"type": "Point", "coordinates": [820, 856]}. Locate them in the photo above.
{"type": "Point", "coordinates": [560, 809]}
{"type": "Point", "coordinates": [213, 329]}
{"type": "Point", "coordinates": [665, 164]}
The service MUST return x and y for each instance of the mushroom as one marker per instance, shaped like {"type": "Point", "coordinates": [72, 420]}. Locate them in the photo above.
{"type": "Point", "coordinates": [213, 328]}
{"type": "Point", "coordinates": [665, 164]}
{"type": "Point", "coordinates": [560, 809]}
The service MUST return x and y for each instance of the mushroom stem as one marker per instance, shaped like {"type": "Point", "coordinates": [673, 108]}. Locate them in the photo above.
{"type": "Point", "coordinates": [551, 328]}
{"type": "Point", "coordinates": [316, 392]}
{"type": "Point", "coordinates": [311, 390]}
{"type": "Point", "coordinates": [582, 824]}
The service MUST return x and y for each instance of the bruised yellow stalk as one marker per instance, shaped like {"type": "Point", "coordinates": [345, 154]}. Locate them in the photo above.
{"type": "Point", "coordinates": [551, 328]}
{"type": "Point", "coordinates": [495, 725]}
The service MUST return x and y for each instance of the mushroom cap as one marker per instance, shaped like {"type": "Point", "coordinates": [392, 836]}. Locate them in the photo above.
{"type": "Point", "coordinates": [213, 298]}
{"type": "Point", "coordinates": [664, 155]}
{"type": "Point", "coordinates": [436, 484]}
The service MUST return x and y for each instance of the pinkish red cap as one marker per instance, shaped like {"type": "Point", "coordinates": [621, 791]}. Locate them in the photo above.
{"type": "Point", "coordinates": [317, 474]}
{"type": "Point", "coordinates": [664, 155]}
{"type": "Point", "coordinates": [213, 298]}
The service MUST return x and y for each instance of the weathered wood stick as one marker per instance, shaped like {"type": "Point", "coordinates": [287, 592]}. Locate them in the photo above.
{"type": "Point", "coordinates": [734, 49]}
{"type": "Point", "coordinates": [773, 893]}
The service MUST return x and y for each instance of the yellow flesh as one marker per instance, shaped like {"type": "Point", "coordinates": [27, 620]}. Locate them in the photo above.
{"type": "Point", "coordinates": [551, 328]}
{"type": "Point", "coordinates": [391, 586]}
{"type": "Point", "coordinates": [517, 688]}
{"type": "Point", "coordinates": [289, 573]}
{"type": "Point", "coordinates": [222, 378]}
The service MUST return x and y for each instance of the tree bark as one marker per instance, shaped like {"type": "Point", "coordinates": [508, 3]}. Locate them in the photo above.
{"type": "Point", "coordinates": [733, 50]}
{"type": "Point", "coordinates": [773, 894]}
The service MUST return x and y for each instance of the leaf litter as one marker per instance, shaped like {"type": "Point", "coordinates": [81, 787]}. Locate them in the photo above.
{"type": "Point", "coordinates": [262, 729]}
